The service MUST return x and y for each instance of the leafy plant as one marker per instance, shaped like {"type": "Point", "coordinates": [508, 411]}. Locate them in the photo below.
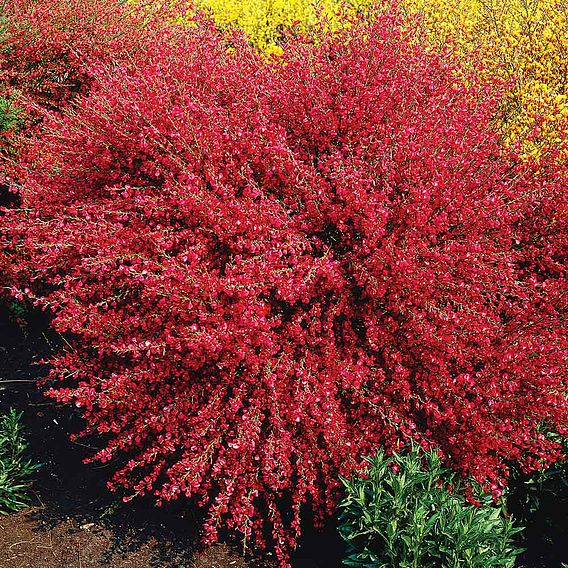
{"type": "Point", "coordinates": [9, 115]}
{"type": "Point", "coordinates": [411, 512]}
{"type": "Point", "coordinates": [15, 468]}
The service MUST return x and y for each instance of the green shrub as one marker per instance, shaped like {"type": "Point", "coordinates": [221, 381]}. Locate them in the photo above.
{"type": "Point", "coordinates": [9, 115]}
{"type": "Point", "coordinates": [15, 469]}
{"type": "Point", "coordinates": [411, 512]}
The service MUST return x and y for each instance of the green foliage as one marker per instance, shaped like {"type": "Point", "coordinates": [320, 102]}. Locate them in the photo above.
{"type": "Point", "coordinates": [411, 512]}
{"type": "Point", "coordinates": [15, 469]}
{"type": "Point", "coordinates": [18, 310]}
{"type": "Point", "coordinates": [10, 115]}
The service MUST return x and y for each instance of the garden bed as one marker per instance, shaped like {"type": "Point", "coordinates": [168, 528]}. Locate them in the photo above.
{"type": "Point", "coordinates": [76, 522]}
{"type": "Point", "coordinates": [264, 273]}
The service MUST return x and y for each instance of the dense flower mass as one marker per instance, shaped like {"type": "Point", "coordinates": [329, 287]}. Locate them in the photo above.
{"type": "Point", "coordinates": [268, 269]}
{"type": "Point", "coordinates": [47, 49]}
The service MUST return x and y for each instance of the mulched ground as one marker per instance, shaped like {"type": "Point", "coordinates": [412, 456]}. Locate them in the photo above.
{"type": "Point", "coordinates": [28, 540]}
{"type": "Point", "coordinates": [75, 522]}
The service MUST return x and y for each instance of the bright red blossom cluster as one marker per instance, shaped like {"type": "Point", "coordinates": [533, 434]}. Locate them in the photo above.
{"type": "Point", "coordinates": [271, 268]}
{"type": "Point", "coordinates": [48, 47]}
{"type": "Point", "coordinates": [47, 50]}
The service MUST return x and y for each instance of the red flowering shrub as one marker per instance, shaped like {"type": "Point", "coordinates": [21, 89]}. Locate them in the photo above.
{"type": "Point", "coordinates": [268, 270]}
{"type": "Point", "coordinates": [47, 46]}
{"type": "Point", "coordinates": [47, 49]}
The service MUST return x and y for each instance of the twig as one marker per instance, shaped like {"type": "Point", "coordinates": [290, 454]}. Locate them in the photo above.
{"type": "Point", "coordinates": [20, 542]}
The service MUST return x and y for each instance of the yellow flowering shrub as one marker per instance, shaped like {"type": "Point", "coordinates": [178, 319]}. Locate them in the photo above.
{"type": "Point", "coordinates": [525, 41]}
{"type": "Point", "coordinates": [265, 21]}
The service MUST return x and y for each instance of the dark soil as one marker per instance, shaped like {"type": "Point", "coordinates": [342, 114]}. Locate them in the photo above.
{"type": "Point", "coordinates": [75, 521]}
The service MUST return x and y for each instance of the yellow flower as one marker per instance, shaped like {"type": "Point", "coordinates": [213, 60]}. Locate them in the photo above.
{"type": "Point", "coordinates": [266, 21]}
{"type": "Point", "coordinates": [522, 40]}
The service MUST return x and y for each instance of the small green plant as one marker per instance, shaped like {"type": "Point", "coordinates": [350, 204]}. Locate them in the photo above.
{"type": "Point", "coordinates": [411, 512]}
{"type": "Point", "coordinates": [18, 310]}
{"type": "Point", "coordinates": [15, 469]}
{"type": "Point", "coordinates": [10, 114]}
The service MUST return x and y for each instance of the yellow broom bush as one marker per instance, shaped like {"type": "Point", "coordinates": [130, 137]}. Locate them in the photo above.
{"type": "Point", "coordinates": [525, 41]}
{"type": "Point", "coordinates": [522, 40]}
{"type": "Point", "coordinates": [265, 21]}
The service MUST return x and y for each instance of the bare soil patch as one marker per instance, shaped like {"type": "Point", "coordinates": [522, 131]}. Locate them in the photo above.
{"type": "Point", "coordinates": [27, 541]}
